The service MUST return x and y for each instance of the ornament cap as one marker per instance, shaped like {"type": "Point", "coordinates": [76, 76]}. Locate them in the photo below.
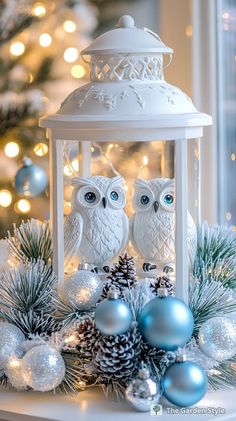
{"type": "Point", "coordinates": [162, 292]}
{"type": "Point", "coordinates": [112, 294]}
{"type": "Point", "coordinates": [26, 161]}
{"type": "Point", "coordinates": [144, 372]}
{"type": "Point", "coordinates": [181, 358]}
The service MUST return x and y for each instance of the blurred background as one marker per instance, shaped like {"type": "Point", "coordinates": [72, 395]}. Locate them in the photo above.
{"type": "Point", "coordinates": [40, 65]}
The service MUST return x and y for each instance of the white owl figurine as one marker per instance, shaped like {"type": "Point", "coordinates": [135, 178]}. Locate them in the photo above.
{"type": "Point", "coordinates": [97, 228]}
{"type": "Point", "coordinates": [152, 228]}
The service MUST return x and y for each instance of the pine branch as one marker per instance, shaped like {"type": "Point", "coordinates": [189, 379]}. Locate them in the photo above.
{"type": "Point", "coordinates": [14, 108]}
{"type": "Point", "coordinates": [207, 299]}
{"type": "Point", "coordinates": [24, 21]}
{"type": "Point", "coordinates": [33, 287]}
{"type": "Point", "coordinates": [224, 376]}
{"type": "Point", "coordinates": [32, 240]}
{"type": "Point", "coordinates": [67, 313]}
{"type": "Point", "coordinates": [216, 255]}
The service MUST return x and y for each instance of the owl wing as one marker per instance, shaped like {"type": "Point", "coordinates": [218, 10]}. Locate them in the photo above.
{"type": "Point", "coordinates": [73, 229]}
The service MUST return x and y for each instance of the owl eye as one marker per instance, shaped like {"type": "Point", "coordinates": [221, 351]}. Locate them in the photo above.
{"type": "Point", "coordinates": [168, 199]}
{"type": "Point", "coordinates": [114, 196]}
{"type": "Point", "coordinates": [144, 200]}
{"type": "Point", "coordinates": [90, 197]}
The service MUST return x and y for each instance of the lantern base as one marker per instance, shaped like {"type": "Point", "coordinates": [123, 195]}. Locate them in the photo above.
{"type": "Point", "coordinates": [92, 404]}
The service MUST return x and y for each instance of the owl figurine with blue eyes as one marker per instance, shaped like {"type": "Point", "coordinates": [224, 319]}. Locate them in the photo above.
{"type": "Point", "coordinates": [152, 228]}
{"type": "Point", "coordinates": [97, 228]}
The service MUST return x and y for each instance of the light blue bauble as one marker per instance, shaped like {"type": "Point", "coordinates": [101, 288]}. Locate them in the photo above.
{"type": "Point", "coordinates": [166, 323]}
{"type": "Point", "coordinates": [30, 180]}
{"type": "Point", "coordinates": [184, 383]}
{"type": "Point", "coordinates": [113, 317]}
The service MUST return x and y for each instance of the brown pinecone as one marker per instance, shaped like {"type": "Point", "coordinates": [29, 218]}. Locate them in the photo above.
{"type": "Point", "coordinates": [86, 335]}
{"type": "Point", "coordinates": [117, 357]}
{"type": "Point", "coordinates": [123, 274]}
{"type": "Point", "coordinates": [162, 282]}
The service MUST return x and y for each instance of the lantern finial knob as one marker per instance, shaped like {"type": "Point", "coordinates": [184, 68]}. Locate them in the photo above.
{"type": "Point", "coordinates": [126, 21]}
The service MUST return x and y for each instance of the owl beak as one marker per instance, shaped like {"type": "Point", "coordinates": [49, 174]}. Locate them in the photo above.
{"type": "Point", "coordinates": [156, 206]}
{"type": "Point", "coordinates": [104, 202]}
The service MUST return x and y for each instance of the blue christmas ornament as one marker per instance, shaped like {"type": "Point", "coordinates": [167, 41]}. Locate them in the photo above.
{"type": "Point", "coordinates": [113, 316]}
{"type": "Point", "coordinates": [30, 180]}
{"type": "Point", "coordinates": [184, 383]}
{"type": "Point", "coordinates": [166, 322]}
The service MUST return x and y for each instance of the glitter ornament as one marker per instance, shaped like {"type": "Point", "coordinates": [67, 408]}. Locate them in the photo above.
{"type": "Point", "coordinates": [166, 322]}
{"type": "Point", "coordinates": [43, 368]}
{"type": "Point", "coordinates": [184, 383]}
{"type": "Point", "coordinates": [30, 180]}
{"type": "Point", "coordinates": [11, 340]}
{"type": "Point", "coordinates": [217, 338]}
{"type": "Point", "coordinates": [142, 392]}
{"type": "Point", "coordinates": [113, 316]}
{"type": "Point", "coordinates": [83, 289]}
{"type": "Point", "coordinates": [15, 375]}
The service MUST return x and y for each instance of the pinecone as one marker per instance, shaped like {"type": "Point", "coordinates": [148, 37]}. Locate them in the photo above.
{"type": "Point", "coordinates": [117, 357]}
{"type": "Point", "coordinates": [162, 282]}
{"type": "Point", "coordinates": [123, 274]}
{"type": "Point", "coordinates": [86, 336]}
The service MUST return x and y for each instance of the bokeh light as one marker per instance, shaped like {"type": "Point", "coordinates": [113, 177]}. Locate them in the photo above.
{"type": "Point", "coordinates": [69, 26]}
{"type": "Point", "coordinates": [78, 71]}
{"type": "Point", "coordinates": [45, 40]}
{"type": "Point", "coordinates": [17, 48]}
{"type": "Point", "coordinates": [71, 55]}
{"type": "Point", "coordinates": [5, 198]}
{"type": "Point", "coordinates": [41, 149]}
{"type": "Point", "coordinates": [11, 149]}
{"type": "Point", "coordinates": [23, 205]}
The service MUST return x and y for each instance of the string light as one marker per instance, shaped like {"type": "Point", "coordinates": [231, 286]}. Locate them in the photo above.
{"type": "Point", "coordinates": [226, 15]}
{"type": "Point", "coordinates": [233, 157]}
{"type": "Point", "coordinates": [71, 55]}
{"type": "Point", "coordinates": [39, 10]}
{"type": "Point", "coordinates": [31, 78]}
{"type": "Point", "coordinates": [189, 31]}
{"type": "Point", "coordinates": [145, 160]}
{"type": "Point", "coordinates": [41, 149]}
{"type": "Point", "coordinates": [17, 48]}
{"type": "Point", "coordinates": [45, 40]}
{"type": "Point", "coordinates": [11, 149]}
{"type": "Point", "coordinates": [23, 205]}
{"type": "Point", "coordinates": [69, 26]}
{"type": "Point", "coordinates": [228, 216]}
{"type": "Point", "coordinates": [78, 71]}
{"type": "Point", "coordinates": [5, 198]}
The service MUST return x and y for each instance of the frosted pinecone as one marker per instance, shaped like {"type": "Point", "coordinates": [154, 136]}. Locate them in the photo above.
{"type": "Point", "coordinates": [117, 357]}
{"type": "Point", "coordinates": [162, 282]}
{"type": "Point", "coordinates": [123, 275]}
{"type": "Point", "coordinates": [86, 336]}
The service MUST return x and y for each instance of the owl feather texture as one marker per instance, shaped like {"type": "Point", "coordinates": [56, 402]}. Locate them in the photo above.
{"type": "Point", "coordinates": [97, 228]}
{"type": "Point", "coordinates": [152, 228]}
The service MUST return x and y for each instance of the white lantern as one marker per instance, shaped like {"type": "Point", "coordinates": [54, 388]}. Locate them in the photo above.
{"type": "Point", "coordinates": [126, 100]}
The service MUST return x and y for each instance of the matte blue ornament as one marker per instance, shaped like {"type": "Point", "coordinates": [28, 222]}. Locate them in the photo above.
{"type": "Point", "coordinates": [166, 322]}
{"type": "Point", "coordinates": [184, 383]}
{"type": "Point", "coordinates": [113, 316]}
{"type": "Point", "coordinates": [30, 180]}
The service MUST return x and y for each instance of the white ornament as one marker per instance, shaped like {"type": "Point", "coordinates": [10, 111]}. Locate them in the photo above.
{"type": "Point", "coordinates": [97, 228]}
{"type": "Point", "coordinates": [11, 341]}
{"type": "Point", "coordinates": [43, 368]}
{"type": "Point", "coordinates": [217, 338]}
{"type": "Point", "coordinates": [152, 228]}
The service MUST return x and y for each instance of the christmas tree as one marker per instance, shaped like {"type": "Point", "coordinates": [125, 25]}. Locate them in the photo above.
{"type": "Point", "coordinates": [40, 44]}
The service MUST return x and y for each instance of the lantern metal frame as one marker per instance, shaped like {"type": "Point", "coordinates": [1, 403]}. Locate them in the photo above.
{"type": "Point", "coordinates": [90, 114]}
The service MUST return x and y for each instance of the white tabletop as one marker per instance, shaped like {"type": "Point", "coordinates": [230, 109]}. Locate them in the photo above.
{"type": "Point", "coordinates": [91, 405]}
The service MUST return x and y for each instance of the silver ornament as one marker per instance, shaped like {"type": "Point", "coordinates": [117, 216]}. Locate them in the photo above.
{"type": "Point", "coordinates": [14, 374]}
{"type": "Point", "coordinates": [142, 392]}
{"type": "Point", "coordinates": [11, 340]}
{"type": "Point", "coordinates": [83, 289]}
{"type": "Point", "coordinates": [43, 368]}
{"type": "Point", "coordinates": [113, 316]}
{"type": "Point", "coordinates": [217, 338]}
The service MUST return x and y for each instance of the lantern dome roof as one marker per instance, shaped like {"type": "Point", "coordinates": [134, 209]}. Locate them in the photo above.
{"type": "Point", "coordinates": [127, 38]}
{"type": "Point", "coordinates": [127, 87]}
